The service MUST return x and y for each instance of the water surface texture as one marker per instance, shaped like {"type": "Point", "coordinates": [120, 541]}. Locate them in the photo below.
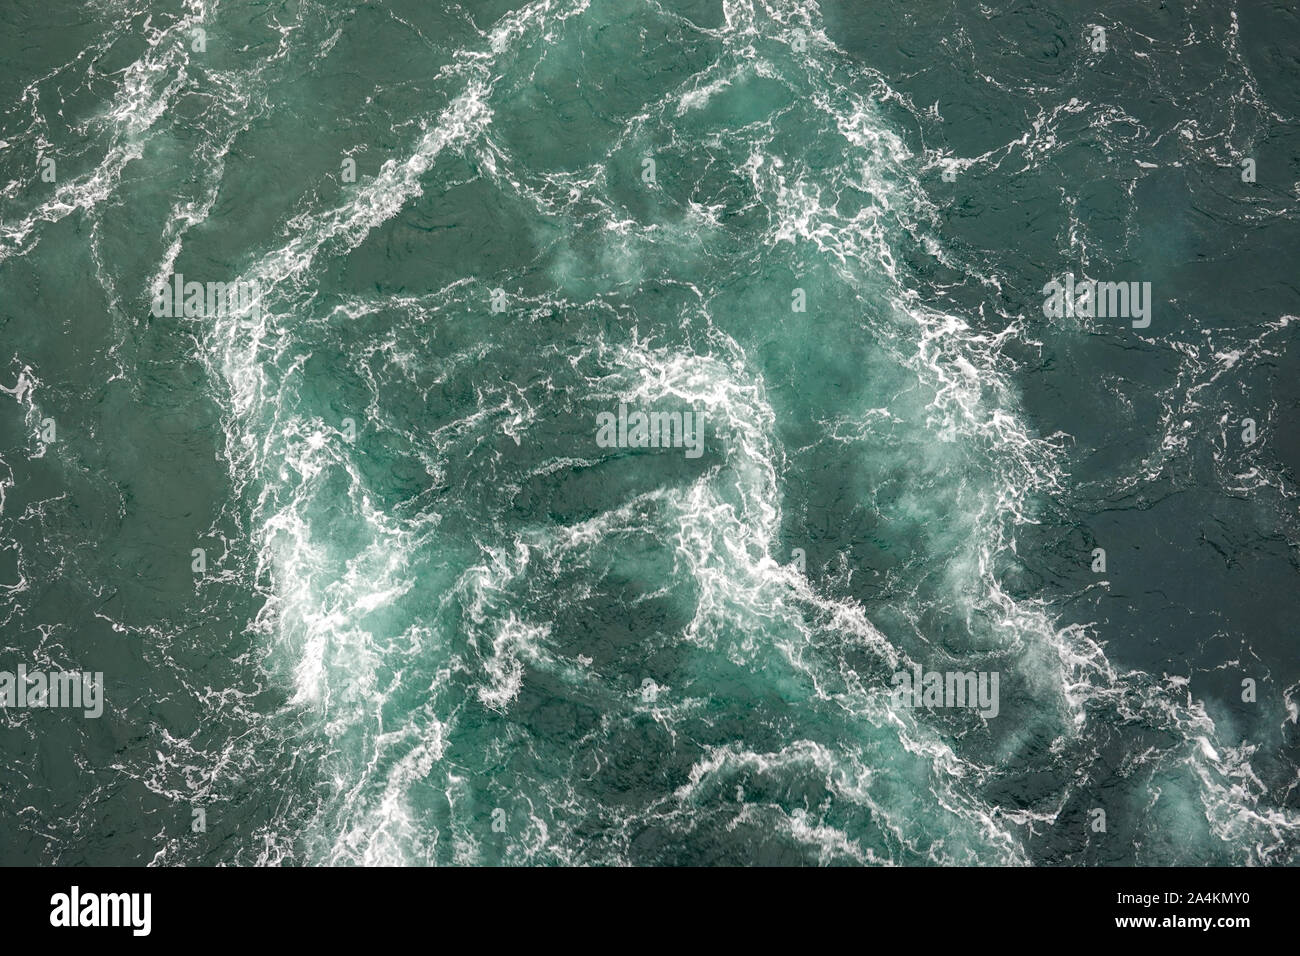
{"type": "Point", "coordinates": [365, 587]}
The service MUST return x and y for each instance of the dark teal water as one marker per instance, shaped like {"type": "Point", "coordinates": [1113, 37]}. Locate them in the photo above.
{"type": "Point", "coordinates": [439, 623]}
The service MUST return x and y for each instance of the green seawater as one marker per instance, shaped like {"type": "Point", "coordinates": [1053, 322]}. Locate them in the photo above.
{"type": "Point", "coordinates": [364, 586]}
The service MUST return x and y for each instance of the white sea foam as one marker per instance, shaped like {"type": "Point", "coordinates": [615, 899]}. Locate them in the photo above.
{"type": "Point", "coordinates": [724, 525]}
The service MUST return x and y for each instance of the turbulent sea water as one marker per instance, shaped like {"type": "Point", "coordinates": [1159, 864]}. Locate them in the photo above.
{"type": "Point", "coordinates": [437, 622]}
